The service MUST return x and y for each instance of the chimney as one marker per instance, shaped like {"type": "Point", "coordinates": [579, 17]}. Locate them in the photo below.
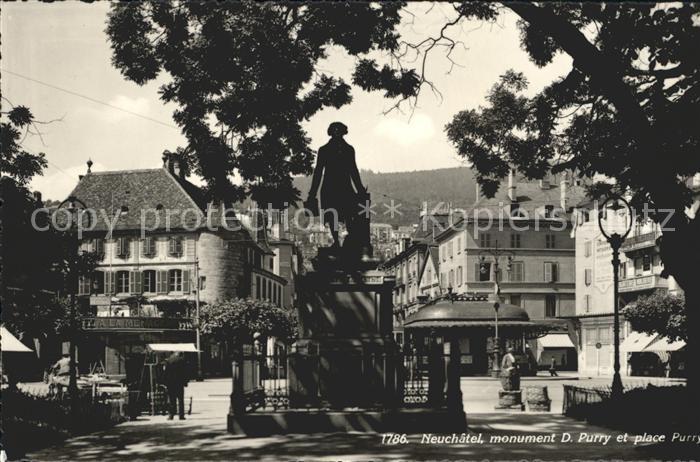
{"type": "Point", "coordinates": [174, 163]}
{"type": "Point", "coordinates": [563, 185]}
{"type": "Point", "coordinates": [89, 165]}
{"type": "Point", "coordinates": [177, 171]}
{"type": "Point", "coordinates": [512, 190]}
{"type": "Point", "coordinates": [478, 192]}
{"type": "Point", "coordinates": [423, 210]}
{"type": "Point", "coordinates": [37, 197]}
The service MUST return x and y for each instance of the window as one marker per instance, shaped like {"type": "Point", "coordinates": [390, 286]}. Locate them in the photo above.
{"type": "Point", "coordinates": [149, 247]}
{"type": "Point", "coordinates": [258, 289]}
{"type": "Point", "coordinates": [149, 281]}
{"type": "Point", "coordinates": [175, 247]}
{"type": "Point", "coordinates": [98, 282]}
{"type": "Point", "coordinates": [483, 271]}
{"type": "Point", "coordinates": [550, 306]}
{"type": "Point", "coordinates": [485, 240]}
{"type": "Point", "coordinates": [122, 282]}
{"type": "Point", "coordinates": [516, 300]}
{"type": "Point", "coordinates": [98, 246]}
{"type": "Point", "coordinates": [550, 241]}
{"type": "Point", "coordinates": [84, 285]}
{"type": "Point", "coordinates": [123, 244]}
{"type": "Point", "coordinates": [264, 289]}
{"type": "Point", "coordinates": [175, 280]}
{"type": "Point", "coordinates": [587, 303]}
{"type": "Point", "coordinates": [517, 271]}
{"type": "Point", "coordinates": [452, 278]}
{"type": "Point", "coordinates": [515, 209]}
{"type": "Point", "coordinates": [587, 248]}
{"type": "Point", "coordinates": [548, 211]}
{"type": "Point", "coordinates": [459, 245]}
{"type": "Point", "coordinates": [623, 270]}
{"type": "Point", "coordinates": [646, 262]}
{"type": "Point", "coordinates": [443, 251]}
{"type": "Point", "coordinates": [551, 272]}
{"type": "Point", "coordinates": [515, 241]}
{"type": "Point", "coordinates": [459, 275]}
{"type": "Point", "coordinates": [588, 276]}
{"type": "Point", "coordinates": [202, 283]}
{"type": "Point", "coordinates": [269, 289]}
{"type": "Point", "coordinates": [452, 250]}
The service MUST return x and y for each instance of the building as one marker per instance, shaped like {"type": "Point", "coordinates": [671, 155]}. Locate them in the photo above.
{"type": "Point", "coordinates": [640, 274]}
{"type": "Point", "coordinates": [521, 239]}
{"type": "Point", "coordinates": [164, 249]}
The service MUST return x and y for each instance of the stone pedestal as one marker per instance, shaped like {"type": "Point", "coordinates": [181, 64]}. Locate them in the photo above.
{"type": "Point", "coordinates": [511, 400]}
{"type": "Point", "coordinates": [345, 357]}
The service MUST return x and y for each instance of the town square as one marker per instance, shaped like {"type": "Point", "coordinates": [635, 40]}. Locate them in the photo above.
{"type": "Point", "coordinates": [350, 231]}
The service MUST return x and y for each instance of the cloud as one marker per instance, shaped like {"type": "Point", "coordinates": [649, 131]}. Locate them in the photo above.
{"type": "Point", "coordinates": [405, 132]}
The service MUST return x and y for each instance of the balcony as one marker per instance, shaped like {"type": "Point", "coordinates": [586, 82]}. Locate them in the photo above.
{"type": "Point", "coordinates": [642, 241]}
{"type": "Point", "coordinates": [653, 281]}
{"type": "Point", "coordinates": [134, 324]}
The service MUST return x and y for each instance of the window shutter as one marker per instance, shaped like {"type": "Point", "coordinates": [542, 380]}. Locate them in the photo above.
{"type": "Point", "coordinates": [186, 281]}
{"type": "Point", "coordinates": [135, 282]}
{"type": "Point", "coordinates": [547, 272]}
{"type": "Point", "coordinates": [162, 282]}
{"type": "Point", "coordinates": [555, 274]}
{"type": "Point", "coordinates": [109, 282]}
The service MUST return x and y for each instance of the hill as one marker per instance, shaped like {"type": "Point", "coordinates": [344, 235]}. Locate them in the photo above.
{"type": "Point", "coordinates": [410, 190]}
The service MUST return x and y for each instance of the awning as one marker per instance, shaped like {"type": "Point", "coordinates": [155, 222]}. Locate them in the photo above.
{"type": "Point", "coordinates": [466, 323]}
{"type": "Point", "coordinates": [664, 344]}
{"type": "Point", "coordinates": [9, 342]}
{"type": "Point", "coordinates": [636, 342]}
{"type": "Point", "coordinates": [172, 347]}
{"type": "Point", "coordinates": [555, 341]}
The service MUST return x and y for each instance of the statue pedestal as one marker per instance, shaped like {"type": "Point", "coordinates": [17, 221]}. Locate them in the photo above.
{"type": "Point", "coordinates": [345, 357]}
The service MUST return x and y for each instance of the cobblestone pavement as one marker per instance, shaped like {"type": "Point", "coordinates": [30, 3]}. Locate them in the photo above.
{"type": "Point", "coordinates": [203, 436]}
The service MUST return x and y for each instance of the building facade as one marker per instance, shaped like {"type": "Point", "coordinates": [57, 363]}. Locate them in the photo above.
{"type": "Point", "coordinates": [163, 250]}
{"type": "Point", "coordinates": [640, 274]}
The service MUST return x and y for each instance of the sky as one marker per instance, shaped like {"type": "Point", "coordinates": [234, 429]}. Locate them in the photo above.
{"type": "Point", "coordinates": [64, 46]}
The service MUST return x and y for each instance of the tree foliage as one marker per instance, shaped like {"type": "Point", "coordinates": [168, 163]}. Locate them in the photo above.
{"type": "Point", "coordinates": [237, 320]}
{"type": "Point", "coordinates": [628, 108]}
{"type": "Point", "coordinates": [246, 75]}
{"type": "Point", "coordinates": [659, 313]}
{"type": "Point", "coordinates": [35, 263]}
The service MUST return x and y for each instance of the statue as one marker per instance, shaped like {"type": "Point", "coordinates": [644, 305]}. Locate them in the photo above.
{"type": "Point", "coordinates": [343, 197]}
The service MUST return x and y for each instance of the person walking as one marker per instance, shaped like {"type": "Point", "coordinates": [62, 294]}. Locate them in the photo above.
{"type": "Point", "coordinates": [175, 380]}
{"type": "Point", "coordinates": [553, 368]}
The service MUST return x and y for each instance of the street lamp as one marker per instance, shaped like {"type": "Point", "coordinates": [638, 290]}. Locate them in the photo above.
{"type": "Point", "coordinates": [76, 208]}
{"type": "Point", "coordinates": [615, 235]}
{"type": "Point", "coordinates": [495, 253]}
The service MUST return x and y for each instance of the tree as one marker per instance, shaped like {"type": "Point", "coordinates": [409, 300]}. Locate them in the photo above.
{"type": "Point", "coordinates": [246, 75]}
{"type": "Point", "coordinates": [35, 263]}
{"type": "Point", "coordinates": [659, 313]}
{"type": "Point", "coordinates": [236, 321]}
{"type": "Point", "coordinates": [628, 110]}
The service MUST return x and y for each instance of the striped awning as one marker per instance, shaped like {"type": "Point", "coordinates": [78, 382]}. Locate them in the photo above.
{"type": "Point", "coordinates": [9, 342]}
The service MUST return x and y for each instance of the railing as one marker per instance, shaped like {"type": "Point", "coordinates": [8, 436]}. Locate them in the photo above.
{"type": "Point", "coordinates": [342, 379]}
{"type": "Point", "coordinates": [578, 400]}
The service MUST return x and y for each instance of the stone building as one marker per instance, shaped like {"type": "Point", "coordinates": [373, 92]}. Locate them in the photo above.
{"type": "Point", "coordinates": [163, 247]}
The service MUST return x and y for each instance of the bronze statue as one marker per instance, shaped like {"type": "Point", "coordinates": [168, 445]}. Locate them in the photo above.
{"type": "Point", "coordinates": [342, 191]}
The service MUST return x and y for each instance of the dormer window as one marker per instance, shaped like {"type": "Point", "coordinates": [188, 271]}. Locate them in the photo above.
{"type": "Point", "coordinates": [515, 209]}
{"type": "Point", "coordinates": [123, 247]}
{"type": "Point", "coordinates": [548, 211]}
{"type": "Point", "coordinates": [149, 247]}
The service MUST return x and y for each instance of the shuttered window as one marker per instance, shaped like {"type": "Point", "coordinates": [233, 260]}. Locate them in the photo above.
{"type": "Point", "coordinates": [83, 285]}
{"type": "Point", "coordinates": [175, 247]}
{"type": "Point", "coordinates": [149, 247]}
{"type": "Point", "coordinates": [123, 244]}
{"type": "Point", "coordinates": [517, 271]}
{"type": "Point", "coordinates": [123, 280]}
{"type": "Point", "coordinates": [149, 281]}
{"type": "Point", "coordinates": [588, 276]}
{"type": "Point", "coordinates": [551, 272]}
{"type": "Point", "coordinates": [98, 246]}
{"type": "Point", "coordinates": [178, 281]}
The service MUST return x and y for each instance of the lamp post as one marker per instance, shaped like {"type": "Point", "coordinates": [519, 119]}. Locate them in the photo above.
{"type": "Point", "coordinates": [615, 237]}
{"type": "Point", "coordinates": [71, 204]}
{"type": "Point", "coordinates": [495, 253]}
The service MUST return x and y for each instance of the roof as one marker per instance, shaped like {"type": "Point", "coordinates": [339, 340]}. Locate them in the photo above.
{"type": "Point", "coordinates": [445, 312]}
{"type": "Point", "coordinates": [149, 195]}
{"type": "Point", "coordinates": [556, 341]}
{"type": "Point", "coordinates": [432, 251]}
{"type": "Point", "coordinates": [429, 226]}
{"type": "Point", "coordinates": [531, 196]}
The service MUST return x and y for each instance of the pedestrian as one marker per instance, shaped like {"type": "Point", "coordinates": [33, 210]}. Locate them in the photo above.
{"type": "Point", "coordinates": [553, 368]}
{"type": "Point", "coordinates": [175, 379]}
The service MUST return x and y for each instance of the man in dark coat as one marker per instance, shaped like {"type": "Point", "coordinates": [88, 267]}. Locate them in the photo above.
{"type": "Point", "coordinates": [175, 379]}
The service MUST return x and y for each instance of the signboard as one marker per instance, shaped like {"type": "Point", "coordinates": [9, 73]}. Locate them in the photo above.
{"type": "Point", "coordinates": [133, 323]}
